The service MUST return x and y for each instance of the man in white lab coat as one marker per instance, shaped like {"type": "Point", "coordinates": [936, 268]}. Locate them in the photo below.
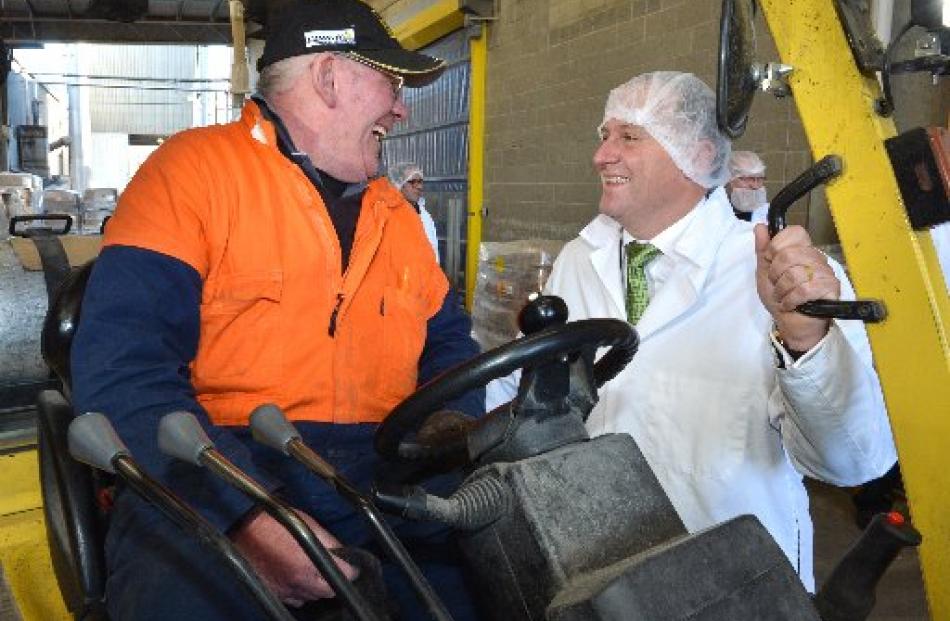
{"type": "Point", "coordinates": [732, 396]}
{"type": "Point", "coordinates": [408, 179]}
{"type": "Point", "coordinates": [746, 187]}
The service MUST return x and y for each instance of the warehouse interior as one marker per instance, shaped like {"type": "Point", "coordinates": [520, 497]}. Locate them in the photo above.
{"type": "Point", "coordinates": [90, 89]}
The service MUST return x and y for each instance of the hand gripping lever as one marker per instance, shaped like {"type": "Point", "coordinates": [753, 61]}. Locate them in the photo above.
{"type": "Point", "coordinates": [826, 169]}
{"type": "Point", "coordinates": [180, 435]}
{"type": "Point", "coordinates": [270, 427]}
{"type": "Point", "coordinates": [94, 442]}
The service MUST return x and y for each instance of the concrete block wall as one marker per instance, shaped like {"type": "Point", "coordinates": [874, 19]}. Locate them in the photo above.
{"type": "Point", "coordinates": [551, 64]}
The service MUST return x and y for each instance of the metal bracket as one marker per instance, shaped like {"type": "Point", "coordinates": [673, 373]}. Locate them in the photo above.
{"type": "Point", "coordinates": [772, 78]}
{"type": "Point", "coordinates": [921, 161]}
{"type": "Point", "coordinates": [478, 8]}
{"type": "Point", "coordinates": [867, 49]}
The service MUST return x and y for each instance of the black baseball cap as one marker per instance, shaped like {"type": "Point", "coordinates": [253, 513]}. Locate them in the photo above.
{"type": "Point", "coordinates": [347, 26]}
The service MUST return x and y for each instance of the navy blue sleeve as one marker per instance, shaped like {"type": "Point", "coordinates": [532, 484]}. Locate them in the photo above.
{"type": "Point", "coordinates": [138, 333]}
{"type": "Point", "coordinates": [449, 342]}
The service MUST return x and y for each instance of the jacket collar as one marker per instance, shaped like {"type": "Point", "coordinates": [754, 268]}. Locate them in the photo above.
{"type": "Point", "coordinates": [265, 127]}
{"type": "Point", "coordinates": [692, 251]}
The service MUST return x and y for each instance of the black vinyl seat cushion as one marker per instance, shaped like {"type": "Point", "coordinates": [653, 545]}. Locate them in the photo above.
{"type": "Point", "coordinates": [75, 524]}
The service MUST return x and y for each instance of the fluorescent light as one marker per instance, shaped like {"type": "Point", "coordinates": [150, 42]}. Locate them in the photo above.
{"type": "Point", "coordinates": [946, 13]}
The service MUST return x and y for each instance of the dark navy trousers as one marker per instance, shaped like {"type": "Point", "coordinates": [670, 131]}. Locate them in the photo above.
{"type": "Point", "coordinates": [158, 572]}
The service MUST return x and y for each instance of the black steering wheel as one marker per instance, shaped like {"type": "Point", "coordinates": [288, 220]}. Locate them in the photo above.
{"type": "Point", "coordinates": [552, 344]}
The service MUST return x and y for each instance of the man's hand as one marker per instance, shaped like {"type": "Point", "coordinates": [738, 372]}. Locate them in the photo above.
{"type": "Point", "coordinates": [789, 272]}
{"type": "Point", "coordinates": [280, 561]}
{"type": "Point", "coordinates": [442, 437]}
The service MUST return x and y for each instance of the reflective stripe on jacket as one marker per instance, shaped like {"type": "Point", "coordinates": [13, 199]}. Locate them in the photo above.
{"type": "Point", "coordinates": [279, 322]}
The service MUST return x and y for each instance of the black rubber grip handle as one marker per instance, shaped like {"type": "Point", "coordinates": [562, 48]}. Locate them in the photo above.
{"type": "Point", "coordinates": [49, 217]}
{"type": "Point", "coordinates": [849, 592]}
{"type": "Point", "coordinates": [822, 171]}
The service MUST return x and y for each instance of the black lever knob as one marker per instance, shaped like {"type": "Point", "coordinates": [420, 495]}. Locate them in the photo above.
{"type": "Point", "coordinates": [542, 312]}
{"type": "Point", "coordinates": [849, 592]}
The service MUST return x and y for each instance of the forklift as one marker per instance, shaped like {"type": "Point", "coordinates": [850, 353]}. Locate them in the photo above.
{"type": "Point", "coordinates": [540, 546]}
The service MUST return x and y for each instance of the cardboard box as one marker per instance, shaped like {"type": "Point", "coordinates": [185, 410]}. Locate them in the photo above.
{"type": "Point", "coordinates": [79, 249]}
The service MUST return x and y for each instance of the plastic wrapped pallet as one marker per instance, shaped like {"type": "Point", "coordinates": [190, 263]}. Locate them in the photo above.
{"type": "Point", "coordinates": [20, 195]}
{"type": "Point", "coordinates": [508, 272]}
{"type": "Point", "coordinates": [63, 202]}
{"type": "Point", "coordinates": [97, 205]}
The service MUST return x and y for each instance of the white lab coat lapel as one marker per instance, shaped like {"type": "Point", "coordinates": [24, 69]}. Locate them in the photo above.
{"type": "Point", "coordinates": [695, 251]}
{"type": "Point", "coordinates": [605, 235]}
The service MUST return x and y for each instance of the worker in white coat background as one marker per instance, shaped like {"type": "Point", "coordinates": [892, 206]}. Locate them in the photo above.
{"type": "Point", "coordinates": [732, 396]}
{"type": "Point", "coordinates": [409, 179]}
{"type": "Point", "coordinates": [746, 187]}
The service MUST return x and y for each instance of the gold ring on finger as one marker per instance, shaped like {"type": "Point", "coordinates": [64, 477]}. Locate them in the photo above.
{"type": "Point", "coordinates": [809, 273]}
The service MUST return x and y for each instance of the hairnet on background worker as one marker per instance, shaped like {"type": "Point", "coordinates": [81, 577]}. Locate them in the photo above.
{"type": "Point", "coordinates": [403, 172]}
{"type": "Point", "coordinates": [747, 182]}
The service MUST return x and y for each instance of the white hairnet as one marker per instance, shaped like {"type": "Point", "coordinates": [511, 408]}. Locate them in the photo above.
{"type": "Point", "coordinates": [679, 111]}
{"type": "Point", "coordinates": [745, 164]}
{"type": "Point", "coordinates": [403, 172]}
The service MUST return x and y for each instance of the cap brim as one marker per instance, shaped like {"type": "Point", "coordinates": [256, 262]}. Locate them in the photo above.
{"type": "Point", "coordinates": [415, 68]}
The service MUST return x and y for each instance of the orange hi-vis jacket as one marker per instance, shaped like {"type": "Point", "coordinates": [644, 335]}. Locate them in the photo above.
{"type": "Point", "coordinates": [279, 321]}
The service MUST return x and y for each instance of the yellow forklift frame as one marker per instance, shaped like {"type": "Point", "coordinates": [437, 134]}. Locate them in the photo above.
{"type": "Point", "coordinates": [887, 261]}
{"type": "Point", "coordinates": [24, 553]}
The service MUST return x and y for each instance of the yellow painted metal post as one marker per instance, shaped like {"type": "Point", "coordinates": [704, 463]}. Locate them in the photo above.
{"type": "Point", "coordinates": [476, 160]}
{"type": "Point", "coordinates": [887, 260]}
{"type": "Point", "coordinates": [24, 553]}
{"type": "Point", "coordinates": [436, 20]}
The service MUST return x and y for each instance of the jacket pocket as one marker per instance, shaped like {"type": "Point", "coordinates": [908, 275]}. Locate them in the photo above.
{"type": "Point", "coordinates": [698, 426]}
{"type": "Point", "coordinates": [239, 349]}
{"type": "Point", "coordinates": [404, 335]}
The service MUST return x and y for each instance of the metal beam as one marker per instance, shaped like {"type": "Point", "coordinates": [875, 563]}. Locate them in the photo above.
{"type": "Point", "coordinates": [17, 31]}
{"type": "Point", "coordinates": [887, 260]}
{"type": "Point", "coordinates": [417, 27]}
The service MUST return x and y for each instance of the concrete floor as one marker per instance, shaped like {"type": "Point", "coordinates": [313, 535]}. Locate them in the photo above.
{"type": "Point", "coordinates": [900, 595]}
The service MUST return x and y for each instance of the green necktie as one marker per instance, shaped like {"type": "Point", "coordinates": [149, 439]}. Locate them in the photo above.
{"type": "Point", "coordinates": [638, 295]}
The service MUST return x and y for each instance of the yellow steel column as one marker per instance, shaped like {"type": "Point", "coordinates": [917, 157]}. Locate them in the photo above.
{"type": "Point", "coordinates": [24, 552]}
{"type": "Point", "coordinates": [476, 160]}
{"type": "Point", "coordinates": [887, 260]}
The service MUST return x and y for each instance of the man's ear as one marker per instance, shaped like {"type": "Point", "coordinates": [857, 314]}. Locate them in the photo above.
{"type": "Point", "coordinates": [324, 74]}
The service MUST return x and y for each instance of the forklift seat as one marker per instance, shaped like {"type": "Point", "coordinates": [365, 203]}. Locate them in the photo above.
{"type": "Point", "coordinates": [75, 524]}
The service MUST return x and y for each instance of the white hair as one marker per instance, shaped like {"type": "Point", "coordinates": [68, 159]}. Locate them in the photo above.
{"type": "Point", "coordinates": [745, 164]}
{"type": "Point", "coordinates": [281, 75]}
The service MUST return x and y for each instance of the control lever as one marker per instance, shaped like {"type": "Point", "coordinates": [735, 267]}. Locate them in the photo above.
{"type": "Point", "coordinates": [180, 435]}
{"type": "Point", "coordinates": [270, 427]}
{"type": "Point", "coordinates": [94, 442]}
{"type": "Point", "coordinates": [848, 594]}
{"type": "Point", "coordinates": [822, 171]}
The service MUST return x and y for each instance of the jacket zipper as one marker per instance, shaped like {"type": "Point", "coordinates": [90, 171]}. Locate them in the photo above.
{"type": "Point", "coordinates": [336, 311]}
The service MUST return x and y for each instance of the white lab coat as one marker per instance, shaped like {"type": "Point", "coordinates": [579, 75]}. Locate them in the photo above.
{"type": "Point", "coordinates": [725, 431]}
{"type": "Point", "coordinates": [760, 214]}
{"type": "Point", "coordinates": [940, 235]}
{"type": "Point", "coordinates": [429, 225]}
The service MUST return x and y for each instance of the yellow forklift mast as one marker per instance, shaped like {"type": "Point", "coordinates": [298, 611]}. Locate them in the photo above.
{"type": "Point", "coordinates": [887, 259]}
